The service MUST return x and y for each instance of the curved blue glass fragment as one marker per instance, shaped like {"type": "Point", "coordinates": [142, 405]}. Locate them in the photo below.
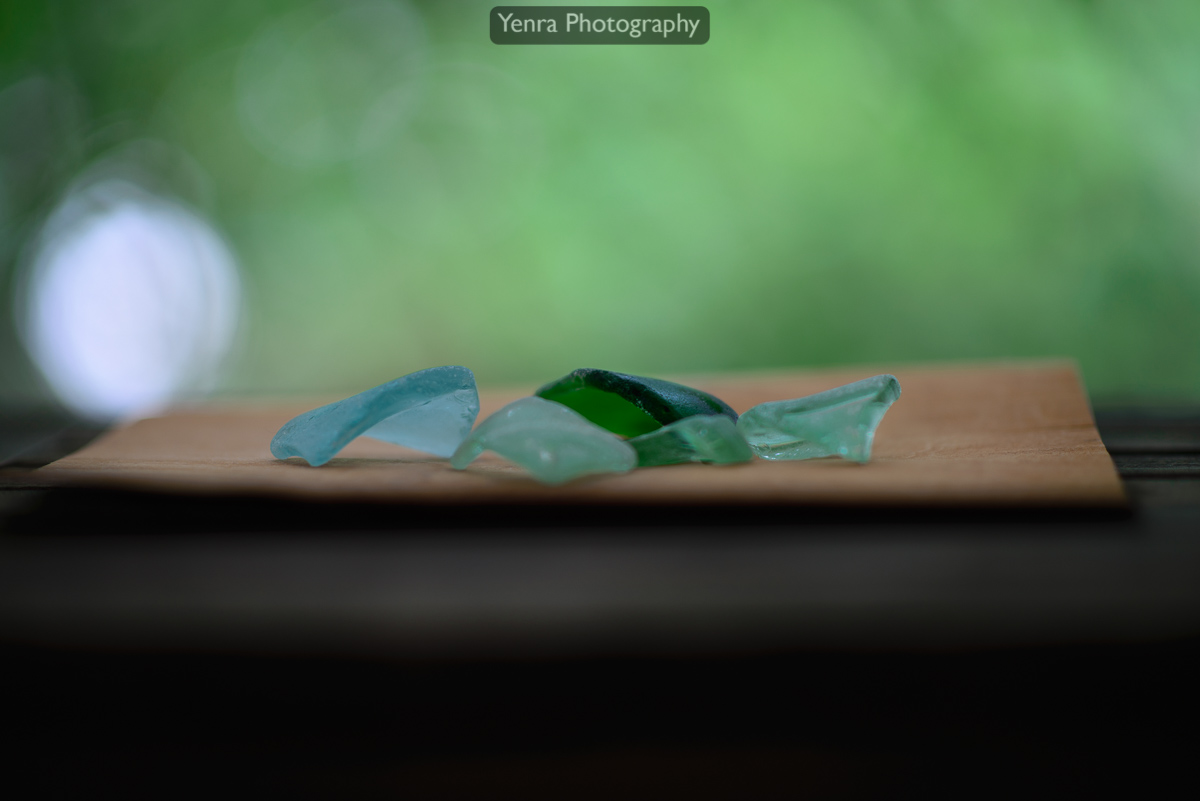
{"type": "Point", "coordinates": [429, 410]}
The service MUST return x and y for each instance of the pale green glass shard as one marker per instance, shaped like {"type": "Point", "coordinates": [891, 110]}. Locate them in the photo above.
{"type": "Point", "coordinates": [700, 438]}
{"type": "Point", "coordinates": [552, 442]}
{"type": "Point", "coordinates": [430, 410]}
{"type": "Point", "coordinates": [838, 422]}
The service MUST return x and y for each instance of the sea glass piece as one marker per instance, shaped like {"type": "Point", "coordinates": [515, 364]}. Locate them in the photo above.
{"type": "Point", "coordinates": [630, 405]}
{"type": "Point", "coordinates": [430, 410]}
{"type": "Point", "coordinates": [549, 440]}
{"type": "Point", "coordinates": [701, 438]}
{"type": "Point", "coordinates": [837, 422]}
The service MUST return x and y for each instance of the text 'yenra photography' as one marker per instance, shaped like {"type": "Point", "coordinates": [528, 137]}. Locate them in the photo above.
{"type": "Point", "coordinates": [599, 24]}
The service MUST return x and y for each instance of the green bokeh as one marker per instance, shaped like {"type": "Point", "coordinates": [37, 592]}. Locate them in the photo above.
{"type": "Point", "coordinates": [822, 183]}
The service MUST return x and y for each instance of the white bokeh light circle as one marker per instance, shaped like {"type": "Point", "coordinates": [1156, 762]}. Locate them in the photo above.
{"type": "Point", "coordinates": [130, 302]}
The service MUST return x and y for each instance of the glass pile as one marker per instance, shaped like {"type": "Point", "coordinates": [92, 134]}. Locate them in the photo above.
{"type": "Point", "coordinates": [593, 421]}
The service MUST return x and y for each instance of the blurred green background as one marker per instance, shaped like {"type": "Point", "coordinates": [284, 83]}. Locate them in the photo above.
{"type": "Point", "coordinates": [822, 183]}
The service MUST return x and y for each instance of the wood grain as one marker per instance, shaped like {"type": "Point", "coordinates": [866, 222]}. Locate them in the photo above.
{"type": "Point", "coordinates": [1009, 434]}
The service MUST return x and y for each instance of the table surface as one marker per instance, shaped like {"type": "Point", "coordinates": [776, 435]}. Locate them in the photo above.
{"type": "Point", "coordinates": [344, 649]}
{"type": "Point", "coordinates": [125, 567]}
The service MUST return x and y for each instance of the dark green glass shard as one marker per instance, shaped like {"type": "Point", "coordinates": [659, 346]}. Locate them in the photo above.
{"type": "Point", "coordinates": [630, 405]}
{"type": "Point", "coordinates": [711, 438]}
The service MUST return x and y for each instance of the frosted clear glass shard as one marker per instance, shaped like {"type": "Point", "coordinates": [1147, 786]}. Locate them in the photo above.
{"type": "Point", "coordinates": [701, 438]}
{"type": "Point", "coordinates": [837, 422]}
{"type": "Point", "coordinates": [429, 410]}
{"type": "Point", "coordinates": [552, 442]}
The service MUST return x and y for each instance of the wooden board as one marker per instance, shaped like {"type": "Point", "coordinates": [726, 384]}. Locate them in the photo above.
{"type": "Point", "coordinates": [989, 435]}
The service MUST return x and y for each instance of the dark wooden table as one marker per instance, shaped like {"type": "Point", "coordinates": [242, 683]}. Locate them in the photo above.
{"type": "Point", "coordinates": [159, 645]}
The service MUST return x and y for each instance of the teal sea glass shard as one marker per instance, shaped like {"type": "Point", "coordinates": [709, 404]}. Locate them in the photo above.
{"type": "Point", "coordinates": [838, 422]}
{"type": "Point", "coordinates": [430, 410]}
{"type": "Point", "coordinates": [630, 405]}
{"type": "Point", "coordinates": [701, 438]}
{"type": "Point", "coordinates": [549, 440]}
